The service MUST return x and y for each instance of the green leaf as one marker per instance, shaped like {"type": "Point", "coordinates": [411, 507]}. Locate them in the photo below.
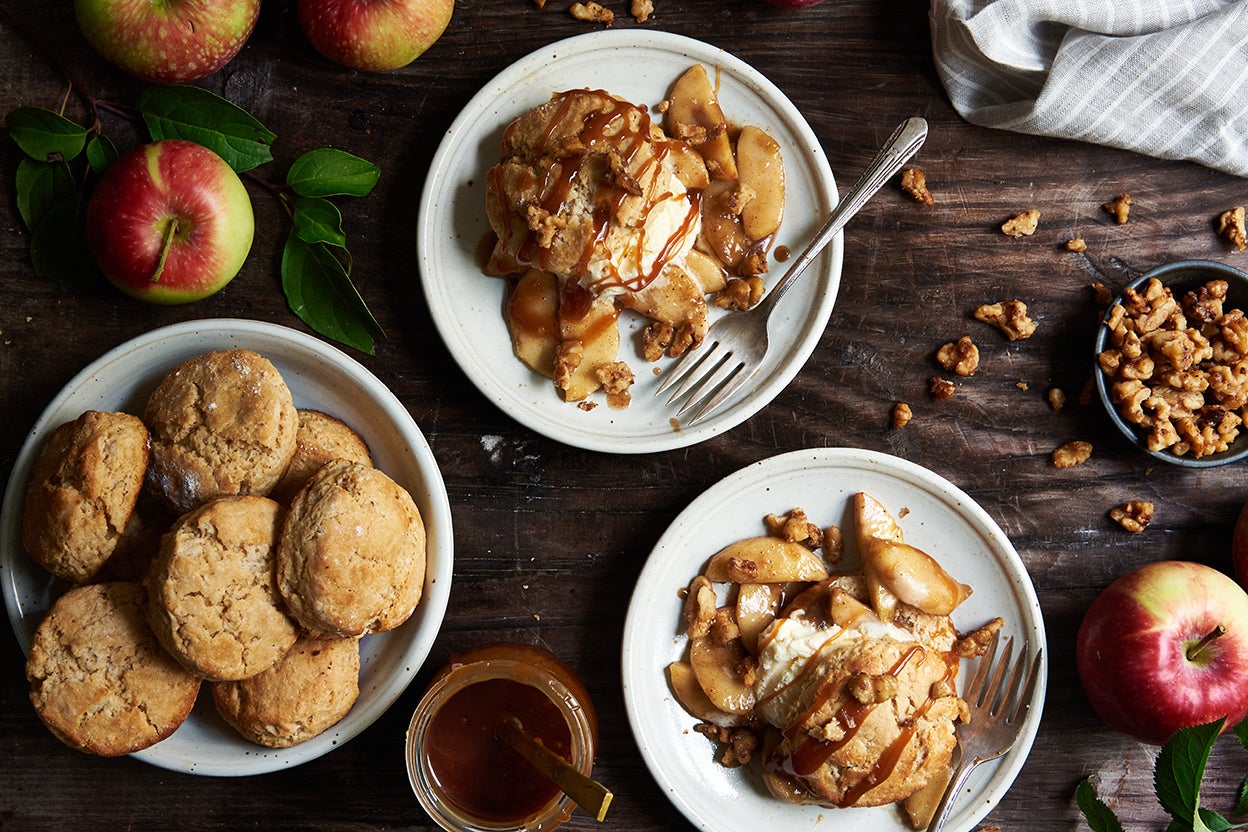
{"type": "Point", "coordinates": [319, 290]}
{"type": "Point", "coordinates": [101, 153]}
{"type": "Point", "coordinates": [330, 172]}
{"type": "Point", "coordinates": [40, 186]}
{"type": "Point", "coordinates": [1241, 733]}
{"type": "Point", "coordinates": [1241, 802]}
{"type": "Point", "coordinates": [44, 135]}
{"type": "Point", "coordinates": [58, 245]}
{"type": "Point", "coordinates": [1179, 770]}
{"type": "Point", "coordinates": [319, 221]}
{"type": "Point", "coordinates": [1099, 816]}
{"type": "Point", "coordinates": [195, 114]}
{"type": "Point", "coordinates": [1215, 822]}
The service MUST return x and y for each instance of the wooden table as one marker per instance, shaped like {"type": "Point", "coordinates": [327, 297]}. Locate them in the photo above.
{"type": "Point", "coordinates": [573, 527]}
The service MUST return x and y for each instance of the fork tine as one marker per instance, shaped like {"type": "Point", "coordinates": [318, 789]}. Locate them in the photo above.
{"type": "Point", "coordinates": [723, 374]}
{"type": "Point", "coordinates": [696, 385]}
{"type": "Point", "coordinates": [1029, 689]}
{"type": "Point", "coordinates": [729, 387]}
{"type": "Point", "coordinates": [994, 697]}
{"type": "Point", "coordinates": [976, 687]}
{"type": "Point", "coordinates": [687, 368]}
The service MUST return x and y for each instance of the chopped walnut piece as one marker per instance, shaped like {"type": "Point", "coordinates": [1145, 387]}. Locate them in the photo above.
{"type": "Point", "coordinates": [616, 378]}
{"type": "Point", "coordinates": [655, 338]}
{"type": "Point", "coordinates": [739, 744]}
{"type": "Point", "coordinates": [974, 644]}
{"type": "Point", "coordinates": [794, 527]}
{"type": "Point", "coordinates": [870, 689]}
{"type": "Point", "coordinates": [1072, 454]}
{"type": "Point", "coordinates": [902, 414]}
{"type": "Point", "coordinates": [940, 388]}
{"type": "Point", "coordinates": [1087, 391]}
{"type": "Point", "coordinates": [1076, 244]}
{"type": "Point", "coordinates": [742, 571]}
{"type": "Point", "coordinates": [1022, 224]}
{"type": "Point", "coordinates": [641, 10]}
{"type": "Point", "coordinates": [914, 182]}
{"type": "Point", "coordinates": [1056, 397]}
{"type": "Point", "coordinates": [699, 609]}
{"type": "Point", "coordinates": [586, 405]}
{"type": "Point", "coordinates": [1232, 228]}
{"type": "Point", "coordinates": [1120, 208]}
{"type": "Point", "coordinates": [833, 544]}
{"type": "Point", "coordinates": [724, 627]}
{"type": "Point", "coordinates": [592, 12]}
{"type": "Point", "coordinates": [1101, 293]}
{"type": "Point", "coordinates": [1009, 316]}
{"type": "Point", "coordinates": [1133, 515]}
{"type": "Point", "coordinates": [962, 356]}
{"type": "Point", "coordinates": [740, 294]}
{"type": "Point", "coordinates": [568, 356]}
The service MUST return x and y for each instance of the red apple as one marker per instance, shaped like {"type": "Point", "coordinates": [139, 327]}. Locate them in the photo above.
{"type": "Point", "coordinates": [167, 42]}
{"type": "Point", "coordinates": [1166, 647]}
{"type": "Point", "coordinates": [170, 222]}
{"type": "Point", "coordinates": [1239, 548]}
{"type": "Point", "coordinates": [374, 35]}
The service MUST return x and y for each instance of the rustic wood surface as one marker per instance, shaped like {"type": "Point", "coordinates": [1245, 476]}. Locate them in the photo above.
{"type": "Point", "coordinates": [574, 527]}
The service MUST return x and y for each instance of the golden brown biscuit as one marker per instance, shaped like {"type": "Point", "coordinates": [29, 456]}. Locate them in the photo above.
{"type": "Point", "coordinates": [351, 557]}
{"type": "Point", "coordinates": [82, 492]}
{"type": "Point", "coordinates": [99, 679]}
{"type": "Point", "coordinates": [214, 604]}
{"type": "Point", "coordinates": [222, 423]}
{"type": "Point", "coordinates": [320, 439]}
{"type": "Point", "coordinates": [312, 687]}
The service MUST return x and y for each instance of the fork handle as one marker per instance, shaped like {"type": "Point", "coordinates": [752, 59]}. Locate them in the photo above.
{"type": "Point", "coordinates": [960, 775]}
{"type": "Point", "coordinates": [903, 144]}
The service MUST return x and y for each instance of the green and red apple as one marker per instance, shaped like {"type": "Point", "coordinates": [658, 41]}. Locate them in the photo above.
{"type": "Point", "coordinates": [170, 222]}
{"type": "Point", "coordinates": [374, 35]}
{"type": "Point", "coordinates": [1166, 647]}
{"type": "Point", "coordinates": [170, 41]}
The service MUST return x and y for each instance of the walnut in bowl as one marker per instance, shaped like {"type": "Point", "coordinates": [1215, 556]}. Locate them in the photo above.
{"type": "Point", "coordinates": [1173, 358]}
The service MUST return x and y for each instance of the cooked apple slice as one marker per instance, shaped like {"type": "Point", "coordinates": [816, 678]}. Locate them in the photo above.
{"type": "Point", "coordinates": [689, 693]}
{"type": "Point", "coordinates": [872, 520]}
{"type": "Point", "coordinates": [722, 231]}
{"type": "Point", "coordinates": [922, 805]}
{"type": "Point", "coordinates": [533, 318]}
{"type": "Point", "coordinates": [694, 115]}
{"type": "Point", "coordinates": [765, 560]}
{"type": "Point", "coordinates": [706, 271]}
{"type": "Point", "coordinates": [675, 298]}
{"type": "Point", "coordinates": [689, 165]}
{"type": "Point", "coordinates": [596, 331]}
{"type": "Point", "coordinates": [913, 576]}
{"type": "Point", "coordinates": [761, 168]}
{"type": "Point", "coordinates": [847, 611]}
{"type": "Point", "coordinates": [715, 664]}
{"type": "Point", "coordinates": [757, 605]}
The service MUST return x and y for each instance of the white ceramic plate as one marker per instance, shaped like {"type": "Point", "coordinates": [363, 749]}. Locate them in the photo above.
{"type": "Point", "coordinates": [467, 307]}
{"type": "Point", "coordinates": [940, 519]}
{"type": "Point", "coordinates": [321, 377]}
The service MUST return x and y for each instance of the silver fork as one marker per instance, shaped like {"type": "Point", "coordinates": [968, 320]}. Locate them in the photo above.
{"type": "Point", "coordinates": [998, 706]}
{"type": "Point", "coordinates": [736, 344]}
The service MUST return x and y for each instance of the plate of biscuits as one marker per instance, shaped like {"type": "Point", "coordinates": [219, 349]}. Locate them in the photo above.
{"type": "Point", "coordinates": [595, 207]}
{"type": "Point", "coordinates": [797, 640]}
{"type": "Point", "coordinates": [226, 549]}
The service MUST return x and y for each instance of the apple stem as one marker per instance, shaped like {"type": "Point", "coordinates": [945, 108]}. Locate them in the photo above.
{"type": "Point", "coordinates": [170, 230]}
{"type": "Point", "coordinates": [1196, 649]}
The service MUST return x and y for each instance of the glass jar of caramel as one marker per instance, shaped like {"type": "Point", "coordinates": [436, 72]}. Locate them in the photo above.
{"type": "Point", "coordinates": [466, 778]}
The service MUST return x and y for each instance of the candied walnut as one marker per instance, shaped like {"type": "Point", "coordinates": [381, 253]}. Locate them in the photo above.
{"type": "Point", "coordinates": [1056, 397]}
{"type": "Point", "coordinates": [940, 388]}
{"type": "Point", "coordinates": [1072, 454]}
{"type": "Point", "coordinates": [747, 668]}
{"type": "Point", "coordinates": [794, 527]}
{"type": "Point", "coordinates": [1234, 330]}
{"type": "Point", "coordinates": [1022, 224]}
{"type": "Point", "coordinates": [1009, 316]}
{"type": "Point", "coordinates": [739, 748]}
{"type": "Point", "coordinates": [568, 356]}
{"type": "Point", "coordinates": [870, 689]}
{"type": "Point", "coordinates": [914, 182]}
{"type": "Point", "coordinates": [902, 414]}
{"type": "Point", "coordinates": [962, 356]}
{"type": "Point", "coordinates": [975, 643]}
{"type": "Point", "coordinates": [724, 627]}
{"type": "Point", "coordinates": [833, 544]}
{"type": "Point", "coordinates": [699, 609]}
{"type": "Point", "coordinates": [656, 338]}
{"type": "Point", "coordinates": [740, 293]}
{"type": "Point", "coordinates": [1205, 304]}
{"type": "Point", "coordinates": [742, 571]}
{"type": "Point", "coordinates": [1120, 208]}
{"type": "Point", "coordinates": [1133, 515]}
{"type": "Point", "coordinates": [1076, 244]}
{"type": "Point", "coordinates": [1101, 293]}
{"type": "Point", "coordinates": [592, 12]}
{"type": "Point", "coordinates": [586, 405]}
{"type": "Point", "coordinates": [1231, 227]}
{"type": "Point", "coordinates": [616, 378]}
{"type": "Point", "coordinates": [641, 10]}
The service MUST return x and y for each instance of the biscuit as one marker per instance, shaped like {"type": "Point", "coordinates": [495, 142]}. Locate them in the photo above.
{"type": "Point", "coordinates": [312, 687]}
{"type": "Point", "coordinates": [82, 492]}
{"type": "Point", "coordinates": [320, 439]}
{"type": "Point", "coordinates": [222, 423]}
{"type": "Point", "coordinates": [98, 677]}
{"type": "Point", "coordinates": [351, 557]}
{"type": "Point", "coordinates": [213, 602]}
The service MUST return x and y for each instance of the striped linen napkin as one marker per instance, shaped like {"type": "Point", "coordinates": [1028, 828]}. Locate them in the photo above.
{"type": "Point", "coordinates": [1168, 78]}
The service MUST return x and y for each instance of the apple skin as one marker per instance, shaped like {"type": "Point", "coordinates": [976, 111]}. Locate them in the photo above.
{"type": "Point", "coordinates": [1239, 548]}
{"type": "Point", "coordinates": [1132, 646]}
{"type": "Point", "coordinates": [374, 35]}
{"type": "Point", "coordinates": [130, 211]}
{"type": "Point", "coordinates": [170, 42]}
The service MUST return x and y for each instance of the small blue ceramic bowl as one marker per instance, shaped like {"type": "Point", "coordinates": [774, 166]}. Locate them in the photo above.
{"type": "Point", "coordinates": [1180, 277]}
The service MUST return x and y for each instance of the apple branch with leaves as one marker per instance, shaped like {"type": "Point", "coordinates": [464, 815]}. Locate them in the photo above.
{"type": "Point", "coordinates": [53, 187]}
